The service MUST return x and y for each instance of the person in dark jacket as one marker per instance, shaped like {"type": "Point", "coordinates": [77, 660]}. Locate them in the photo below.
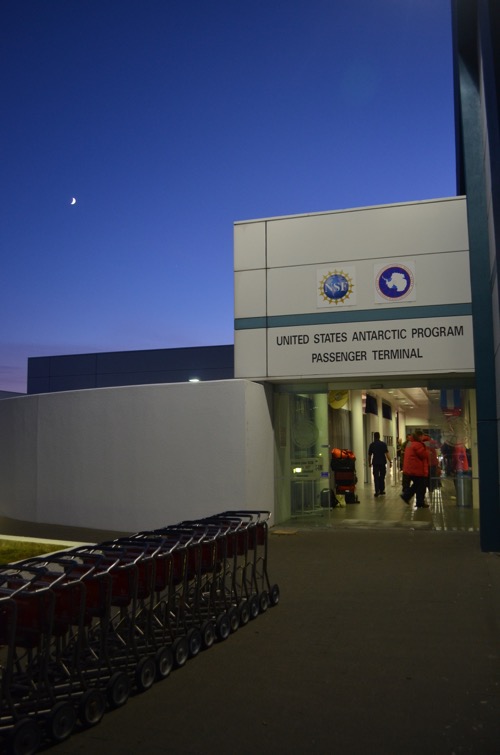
{"type": "Point", "coordinates": [416, 467]}
{"type": "Point", "coordinates": [378, 455]}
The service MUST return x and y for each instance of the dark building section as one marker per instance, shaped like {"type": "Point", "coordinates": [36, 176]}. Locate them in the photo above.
{"type": "Point", "coordinates": [80, 371]}
{"type": "Point", "coordinates": [476, 56]}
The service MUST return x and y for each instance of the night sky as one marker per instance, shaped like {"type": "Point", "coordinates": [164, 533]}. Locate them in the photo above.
{"type": "Point", "coordinates": [169, 120]}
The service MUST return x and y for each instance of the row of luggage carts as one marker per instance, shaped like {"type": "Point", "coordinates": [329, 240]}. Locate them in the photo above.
{"type": "Point", "coordinates": [82, 629]}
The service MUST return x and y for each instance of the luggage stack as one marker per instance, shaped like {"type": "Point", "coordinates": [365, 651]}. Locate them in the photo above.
{"type": "Point", "coordinates": [83, 628]}
{"type": "Point", "coordinates": [343, 466]}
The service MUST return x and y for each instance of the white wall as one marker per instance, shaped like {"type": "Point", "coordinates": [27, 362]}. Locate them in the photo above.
{"type": "Point", "coordinates": [137, 457]}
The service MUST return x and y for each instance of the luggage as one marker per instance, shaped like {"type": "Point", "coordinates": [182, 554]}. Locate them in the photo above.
{"type": "Point", "coordinates": [342, 454]}
{"type": "Point", "coordinates": [342, 460]}
{"type": "Point", "coordinates": [346, 480]}
{"type": "Point", "coordinates": [343, 466]}
{"type": "Point", "coordinates": [328, 499]}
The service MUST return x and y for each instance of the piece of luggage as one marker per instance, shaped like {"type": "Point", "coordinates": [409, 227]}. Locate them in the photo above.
{"type": "Point", "coordinates": [345, 479]}
{"type": "Point", "coordinates": [342, 454]}
{"type": "Point", "coordinates": [342, 460]}
{"type": "Point", "coordinates": [342, 465]}
{"type": "Point", "coordinates": [328, 499]}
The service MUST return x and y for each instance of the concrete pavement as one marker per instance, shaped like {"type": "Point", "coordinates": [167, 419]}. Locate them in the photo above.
{"type": "Point", "coordinates": [385, 641]}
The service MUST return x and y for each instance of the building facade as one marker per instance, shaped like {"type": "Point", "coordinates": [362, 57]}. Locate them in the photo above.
{"type": "Point", "coordinates": [74, 372]}
{"type": "Point", "coordinates": [340, 311]}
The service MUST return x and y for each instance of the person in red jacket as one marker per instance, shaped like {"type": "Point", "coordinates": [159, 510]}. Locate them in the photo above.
{"type": "Point", "coordinates": [416, 467]}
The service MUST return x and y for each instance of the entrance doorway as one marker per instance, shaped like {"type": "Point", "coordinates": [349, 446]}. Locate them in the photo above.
{"type": "Point", "coordinates": [311, 420]}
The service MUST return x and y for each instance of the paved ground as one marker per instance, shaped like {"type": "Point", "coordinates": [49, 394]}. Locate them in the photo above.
{"type": "Point", "coordinates": [385, 641]}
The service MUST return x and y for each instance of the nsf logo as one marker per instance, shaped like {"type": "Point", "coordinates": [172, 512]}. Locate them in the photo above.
{"type": "Point", "coordinates": [336, 287]}
{"type": "Point", "coordinates": [394, 282]}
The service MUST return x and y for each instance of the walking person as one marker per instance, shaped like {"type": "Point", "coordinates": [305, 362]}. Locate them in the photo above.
{"type": "Point", "coordinates": [416, 467]}
{"type": "Point", "coordinates": [378, 455]}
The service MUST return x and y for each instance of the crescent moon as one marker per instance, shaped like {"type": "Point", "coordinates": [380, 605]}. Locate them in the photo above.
{"type": "Point", "coordinates": [73, 201]}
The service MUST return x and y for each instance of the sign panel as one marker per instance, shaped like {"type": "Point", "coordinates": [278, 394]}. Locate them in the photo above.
{"type": "Point", "coordinates": [395, 347]}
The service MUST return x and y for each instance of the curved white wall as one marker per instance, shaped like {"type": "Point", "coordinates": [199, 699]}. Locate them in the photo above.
{"type": "Point", "coordinates": [138, 457]}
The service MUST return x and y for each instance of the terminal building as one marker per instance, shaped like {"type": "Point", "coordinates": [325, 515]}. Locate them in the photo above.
{"type": "Point", "coordinates": [346, 323]}
{"type": "Point", "coordinates": [347, 315]}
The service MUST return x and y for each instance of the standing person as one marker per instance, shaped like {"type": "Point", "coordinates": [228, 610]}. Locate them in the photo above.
{"type": "Point", "coordinates": [399, 454]}
{"type": "Point", "coordinates": [416, 467]}
{"type": "Point", "coordinates": [377, 457]}
{"type": "Point", "coordinates": [405, 481]}
{"type": "Point", "coordinates": [434, 470]}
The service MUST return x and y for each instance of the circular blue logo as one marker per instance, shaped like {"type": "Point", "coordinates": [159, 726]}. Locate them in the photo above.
{"type": "Point", "coordinates": [395, 282]}
{"type": "Point", "coordinates": [336, 287]}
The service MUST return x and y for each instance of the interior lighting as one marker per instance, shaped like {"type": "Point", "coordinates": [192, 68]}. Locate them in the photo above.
{"type": "Point", "coordinates": [297, 470]}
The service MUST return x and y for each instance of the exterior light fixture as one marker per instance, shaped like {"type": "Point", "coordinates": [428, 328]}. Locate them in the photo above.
{"type": "Point", "coordinates": [194, 380]}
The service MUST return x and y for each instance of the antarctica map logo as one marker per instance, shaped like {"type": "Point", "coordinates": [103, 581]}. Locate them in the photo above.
{"type": "Point", "coordinates": [336, 287]}
{"type": "Point", "coordinates": [395, 282]}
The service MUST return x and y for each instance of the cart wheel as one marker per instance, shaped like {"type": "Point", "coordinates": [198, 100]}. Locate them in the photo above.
{"type": "Point", "coordinates": [274, 595]}
{"type": "Point", "coordinates": [145, 674]}
{"type": "Point", "coordinates": [61, 721]}
{"type": "Point", "coordinates": [195, 641]}
{"type": "Point", "coordinates": [253, 606]}
{"type": "Point", "coordinates": [222, 626]}
{"type": "Point", "coordinates": [180, 650]}
{"type": "Point", "coordinates": [244, 612]}
{"type": "Point", "coordinates": [263, 601]}
{"type": "Point", "coordinates": [118, 689]}
{"type": "Point", "coordinates": [208, 634]}
{"type": "Point", "coordinates": [234, 618]}
{"type": "Point", "coordinates": [92, 707]}
{"type": "Point", "coordinates": [164, 662]}
{"type": "Point", "coordinates": [25, 737]}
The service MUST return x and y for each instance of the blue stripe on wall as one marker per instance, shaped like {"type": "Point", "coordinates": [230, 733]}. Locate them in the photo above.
{"type": "Point", "coordinates": [367, 315]}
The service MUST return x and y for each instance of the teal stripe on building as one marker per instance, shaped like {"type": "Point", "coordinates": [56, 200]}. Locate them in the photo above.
{"type": "Point", "coordinates": [338, 318]}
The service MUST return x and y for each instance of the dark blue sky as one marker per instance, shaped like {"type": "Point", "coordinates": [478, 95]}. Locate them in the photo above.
{"type": "Point", "coordinates": [168, 120]}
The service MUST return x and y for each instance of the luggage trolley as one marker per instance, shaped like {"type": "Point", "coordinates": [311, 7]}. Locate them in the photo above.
{"type": "Point", "coordinates": [225, 587]}
{"type": "Point", "coordinates": [179, 606]}
{"type": "Point", "coordinates": [81, 628]}
{"type": "Point", "coordinates": [254, 542]}
{"type": "Point", "coordinates": [39, 687]}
